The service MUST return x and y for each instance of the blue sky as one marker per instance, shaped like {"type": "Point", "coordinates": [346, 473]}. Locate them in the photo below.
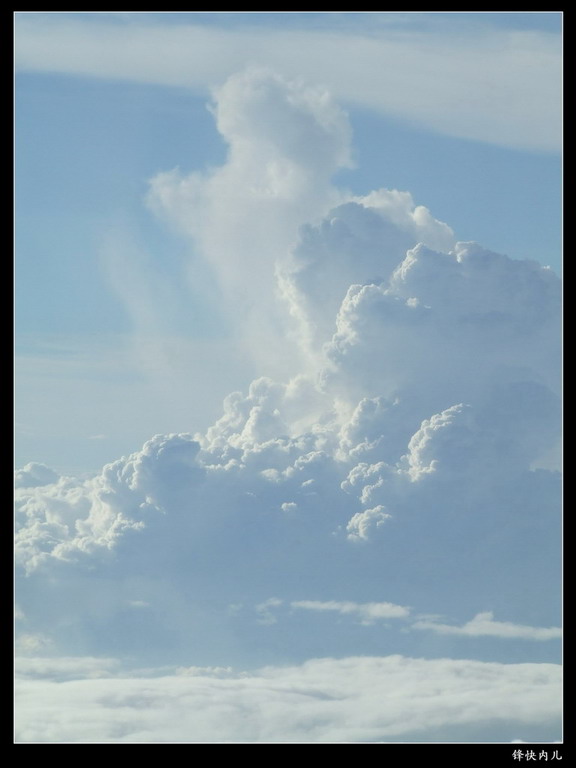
{"type": "Point", "coordinates": [351, 222]}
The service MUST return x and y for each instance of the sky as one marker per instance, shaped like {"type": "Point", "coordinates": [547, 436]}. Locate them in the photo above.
{"type": "Point", "coordinates": [287, 375]}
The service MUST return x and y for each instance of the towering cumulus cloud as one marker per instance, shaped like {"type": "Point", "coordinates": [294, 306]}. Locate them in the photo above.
{"type": "Point", "coordinates": [398, 479]}
{"type": "Point", "coordinates": [285, 141]}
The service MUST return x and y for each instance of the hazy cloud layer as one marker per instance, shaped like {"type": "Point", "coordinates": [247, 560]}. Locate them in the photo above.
{"type": "Point", "coordinates": [353, 699]}
{"type": "Point", "coordinates": [469, 81]}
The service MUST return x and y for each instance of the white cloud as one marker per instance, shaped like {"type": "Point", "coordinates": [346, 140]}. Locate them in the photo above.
{"type": "Point", "coordinates": [467, 81]}
{"type": "Point", "coordinates": [27, 642]}
{"type": "Point", "coordinates": [265, 614]}
{"type": "Point", "coordinates": [138, 603]}
{"type": "Point", "coordinates": [411, 423]}
{"type": "Point", "coordinates": [204, 671]}
{"type": "Point", "coordinates": [59, 669]}
{"type": "Point", "coordinates": [355, 699]}
{"type": "Point", "coordinates": [449, 325]}
{"type": "Point", "coordinates": [285, 141]}
{"type": "Point", "coordinates": [360, 525]}
{"type": "Point", "coordinates": [33, 475]}
{"type": "Point", "coordinates": [361, 241]}
{"type": "Point", "coordinates": [425, 444]}
{"type": "Point", "coordinates": [69, 518]}
{"type": "Point", "coordinates": [483, 625]}
{"type": "Point", "coordinates": [368, 613]}
{"type": "Point", "coordinates": [379, 440]}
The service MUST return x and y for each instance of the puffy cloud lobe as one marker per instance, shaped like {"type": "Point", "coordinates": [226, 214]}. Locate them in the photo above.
{"type": "Point", "coordinates": [472, 283]}
{"type": "Point", "coordinates": [448, 325]}
{"type": "Point", "coordinates": [33, 475]}
{"type": "Point", "coordinates": [243, 455]}
{"type": "Point", "coordinates": [69, 518]}
{"type": "Point", "coordinates": [450, 457]}
{"type": "Point", "coordinates": [354, 699]}
{"type": "Point", "coordinates": [239, 458]}
{"type": "Point", "coordinates": [443, 441]}
{"type": "Point", "coordinates": [423, 448]}
{"type": "Point", "coordinates": [361, 241]}
{"type": "Point", "coordinates": [250, 419]}
{"type": "Point", "coordinates": [307, 127]}
{"type": "Point", "coordinates": [238, 455]}
{"type": "Point", "coordinates": [360, 525]}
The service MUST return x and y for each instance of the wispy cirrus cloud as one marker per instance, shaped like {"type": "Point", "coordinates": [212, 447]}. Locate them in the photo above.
{"type": "Point", "coordinates": [368, 613]}
{"type": "Point", "coordinates": [265, 610]}
{"type": "Point", "coordinates": [484, 625]}
{"type": "Point", "coordinates": [466, 80]}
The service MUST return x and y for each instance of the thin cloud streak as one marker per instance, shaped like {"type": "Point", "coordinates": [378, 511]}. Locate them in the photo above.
{"type": "Point", "coordinates": [368, 613]}
{"type": "Point", "coordinates": [483, 625]}
{"type": "Point", "coordinates": [501, 87]}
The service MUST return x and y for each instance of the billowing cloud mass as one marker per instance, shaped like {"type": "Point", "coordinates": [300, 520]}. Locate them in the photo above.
{"type": "Point", "coordinates": [34, 474]}
{"type": "Point", "coordinates": [358, 699]}
{"type": "Point", "coordinates": [285, 141]}
{"type": "Point", "coordinates": [406, 458]}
